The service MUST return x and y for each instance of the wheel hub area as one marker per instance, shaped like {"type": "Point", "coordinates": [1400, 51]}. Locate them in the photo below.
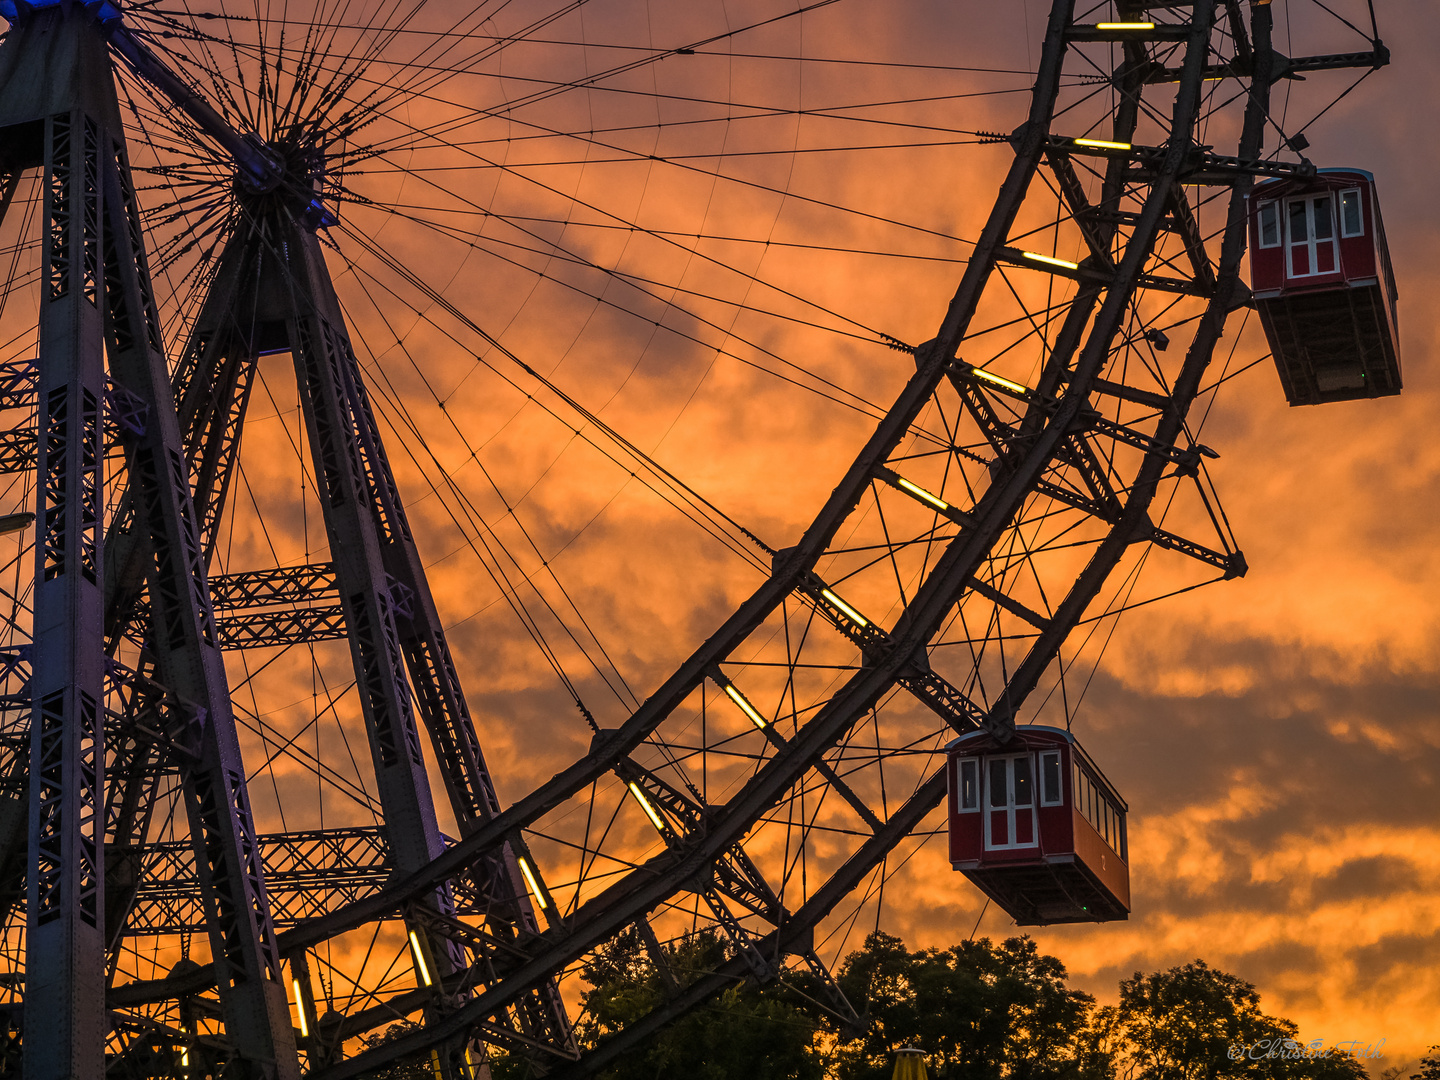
{"type": "Point", "coordinates": [291, 181]}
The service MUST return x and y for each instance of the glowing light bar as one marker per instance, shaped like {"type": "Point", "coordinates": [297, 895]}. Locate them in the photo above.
{"type": "Point", "coordinates": [419, 959]}
{"type": "Point", "coordinates": [922, 494]}
{"type": "Point", "coordinates": [745, 706]}
{"type": "Point", "coordinates": [846, 608]}
{"type": "Point", "coordinates": [300, 1003]}
{"type": "Point", "coordinates": [1102, 144]}
{"type": "Point", "coordinates": [534, 885]}
{"type": "Point", "coordinates": [185, 1057]}
{"type": "Point", "coordinates": [998, 380]}
{"type": "Point", "coordinates": [650, 811]}
{"type": "Point", "coordinates": [1049, 260]}
{"type": "Point", "coordinates": [1125, 26]}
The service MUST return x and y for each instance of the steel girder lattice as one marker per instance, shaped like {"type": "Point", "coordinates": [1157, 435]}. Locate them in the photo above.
{"type": "Point", "coordinates": [1020, 465]}
{"type": "Point", "coordinates": [151, 589]}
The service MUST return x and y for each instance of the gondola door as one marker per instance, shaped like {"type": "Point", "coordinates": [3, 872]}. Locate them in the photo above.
{"type": "Point", "coordinates": [1310, 239]}
{"type": "Point", "coordinates": [1010, 803]}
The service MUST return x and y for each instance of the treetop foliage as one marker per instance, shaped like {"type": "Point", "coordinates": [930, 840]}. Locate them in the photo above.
{"type": "Point", "coordinates": [1197, 1023]}
{"type": "Point", "coordinates": [978, 1010]}
{"type": "Point", "coordinates": [1429, 1066]}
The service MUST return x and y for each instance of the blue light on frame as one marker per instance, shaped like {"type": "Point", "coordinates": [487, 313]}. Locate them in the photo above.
{"type": "Point", "coordinates": [106, 11]}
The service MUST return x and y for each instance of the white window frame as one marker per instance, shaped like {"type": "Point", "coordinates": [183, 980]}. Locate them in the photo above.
{"type": "Point", "coordinates": [1346, 234]}
{"type": "Point", "coordinates": [1273, 205]}
{"type": "Point", "coordinates": [1059, 799]}
{"type": "Point", "coordinates": [960, 806]}
{"type": "Point", "coordinates": [1311, 243]}
{"type": "Point", "coordinates": [1010, 810]}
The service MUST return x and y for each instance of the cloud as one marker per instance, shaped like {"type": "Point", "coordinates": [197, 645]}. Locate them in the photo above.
{"type": "Point", "coordinates": [1276, 736]}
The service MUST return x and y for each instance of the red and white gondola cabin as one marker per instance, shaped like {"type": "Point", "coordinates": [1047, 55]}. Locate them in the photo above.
{"type": "Point", "coordinates": [1322, 282]}
{"type": "Point", "coordinates": [1035, 824]}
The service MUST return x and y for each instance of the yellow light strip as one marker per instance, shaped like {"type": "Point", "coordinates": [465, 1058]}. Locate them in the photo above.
{"type": "Point", "coordinates": [990, 377]}
{"type": "Point", "coordinates": [1102, 144]}
{"type": "Point", "coordinates": [650, 811]}
{"type": "Point", "coordinates": [300, 1008]}
{"type": "Point", "coordinates": [1125, 26]}
{"type": "Point", "coordinates": [846, 608]}
{"type": "Point", "coordinates": [534, 885]}
{"type": "Point", "coordinates": [921, 493]}
{"type": "Point", "coordinates": [1050, 260]}
{"type": "Point", "coordinates": [420, 958]}
{"type": "Point", "coordinates": [745, 706]}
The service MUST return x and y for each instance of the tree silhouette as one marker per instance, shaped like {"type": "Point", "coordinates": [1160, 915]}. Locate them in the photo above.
{"type": "Point", "coordinates": [1197, 1023]}
{"type": "Point", "coordinates": [978, 1011]}
{"type": "Point", "coordinates": [745, 1033]}
{"type": "Point", "coordinates": [1429, 1066]}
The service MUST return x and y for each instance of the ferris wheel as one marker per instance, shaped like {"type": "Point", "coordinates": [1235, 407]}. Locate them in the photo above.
{"type": "Point", "coordinates": [344, 309]}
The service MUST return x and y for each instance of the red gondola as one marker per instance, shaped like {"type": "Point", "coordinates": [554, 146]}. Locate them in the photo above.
{"type": "Point", "coordinates": [1035, 824]}
{"type": "Point", "coordinates": [1320, 272]}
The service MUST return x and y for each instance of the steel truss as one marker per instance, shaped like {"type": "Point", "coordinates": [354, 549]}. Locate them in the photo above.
{"type": "Point", "coordinates": [1026, 459]}
{"type": "Point", "coordinates": [93, 885]}
{"type": "Point", "coordinates": [1090, 437]}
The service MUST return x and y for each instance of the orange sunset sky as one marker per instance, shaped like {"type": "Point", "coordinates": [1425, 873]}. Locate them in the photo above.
{"type": "Point", "coordinates": [1276, 736]}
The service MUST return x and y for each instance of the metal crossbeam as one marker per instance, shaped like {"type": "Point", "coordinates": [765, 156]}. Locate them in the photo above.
{"type": "Point", "coordinates": [1285, 67]}
{"type": "Point", "coordinates": [306, 874]}
{"type": "Point", "coordinates": [263, 629]}
{"type": "Point", "coordinates": [732, 878]}
{"type": "Point", "coordinates": [284, 606]}
{"type": "Point", "coordinates": [1101, 500]}
{"type": "Point", "coordinates": [18, 450]}
{"type": "Point", "coordinates": [1116, 32]}
{"type": "Point", "coordinates": [19, 446]}
{"type": "Point", "coordinates": [307, 584]}
{"type": "Point", "coordinates": [17, 384]}
{"type": "Point", "coordinates": [930, 688]}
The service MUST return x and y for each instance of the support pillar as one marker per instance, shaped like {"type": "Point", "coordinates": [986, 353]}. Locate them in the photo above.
{"type": "Point", "coordinates": [65, 901]}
